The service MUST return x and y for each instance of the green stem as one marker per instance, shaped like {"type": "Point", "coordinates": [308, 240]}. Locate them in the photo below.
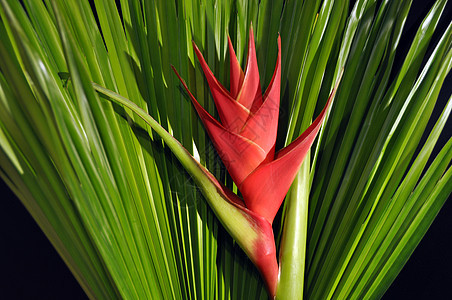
{"type": "Point", "coordinates": [293, 242]}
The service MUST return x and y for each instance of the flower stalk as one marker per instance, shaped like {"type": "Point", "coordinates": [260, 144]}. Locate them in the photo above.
{"type": "Point", "coordinates": [292, 253]}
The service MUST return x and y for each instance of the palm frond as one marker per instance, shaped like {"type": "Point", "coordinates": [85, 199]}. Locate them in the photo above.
{"type": "Point", "coordinates": [124, 214]}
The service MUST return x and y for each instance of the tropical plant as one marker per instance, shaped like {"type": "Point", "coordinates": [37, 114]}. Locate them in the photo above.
{"type": "Point", "coordinates": [102, 145]}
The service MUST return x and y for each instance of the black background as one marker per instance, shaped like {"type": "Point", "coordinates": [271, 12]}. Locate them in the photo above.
{"type": "Point", "coordinates": [31, 269]}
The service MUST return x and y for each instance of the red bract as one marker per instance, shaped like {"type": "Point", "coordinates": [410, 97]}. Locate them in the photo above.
{"type": "Point", "coordinates": [245, 141]}
{"type": "Point", "coordinates": [245, 138]}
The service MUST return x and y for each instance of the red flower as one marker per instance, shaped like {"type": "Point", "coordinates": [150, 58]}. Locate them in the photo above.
{"type": "Point", "coordinates": [245, 138]}
{"type": "Point", "coordinates": [245, 141]}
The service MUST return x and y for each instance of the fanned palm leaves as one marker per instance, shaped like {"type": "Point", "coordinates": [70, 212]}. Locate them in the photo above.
{"type": "Point", "coordinates": [123, 213]}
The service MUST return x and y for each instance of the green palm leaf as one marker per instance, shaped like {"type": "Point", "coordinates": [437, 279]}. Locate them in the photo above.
{"type": "Point", "coordinates": [127, 217]}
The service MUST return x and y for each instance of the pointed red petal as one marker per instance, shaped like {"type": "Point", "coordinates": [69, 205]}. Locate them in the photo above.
{"type": "Point", "coordinates": [262, 127]}
{"type": "Point", "coordinates": [265, 188]}
{"type": "Point", "coordinates": [236, 73]}
{"type": "Point", "coordinates": [250, 94]}
{"type": "Point", "coordinates": [233, 115]}
{"type": "Point", "coordinates": [239, 155]}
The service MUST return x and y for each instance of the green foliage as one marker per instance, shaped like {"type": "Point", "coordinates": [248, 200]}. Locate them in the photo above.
{"type": "Point", "coordinates": [122, 211]}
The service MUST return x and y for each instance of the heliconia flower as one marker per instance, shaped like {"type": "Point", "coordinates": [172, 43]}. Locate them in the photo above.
{"type": "Point", "coordinates": [245, 138]}
{"type": "Point", "coordinates": [245, 141]}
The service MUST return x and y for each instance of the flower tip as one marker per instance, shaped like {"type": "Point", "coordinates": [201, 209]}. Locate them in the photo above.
{"type": "Point", "coordinates": [251, 39]}
{"type": "Point", "coordinates": [182, 81]}
{"type": "Point", "coordinates": [195, 47]}
{"type": "Point", "coordinates": [199, 55]}
{"type": "Point", "coordinates": [177, 74]}
{"type": "Point", "coordinates": [231, 48]}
